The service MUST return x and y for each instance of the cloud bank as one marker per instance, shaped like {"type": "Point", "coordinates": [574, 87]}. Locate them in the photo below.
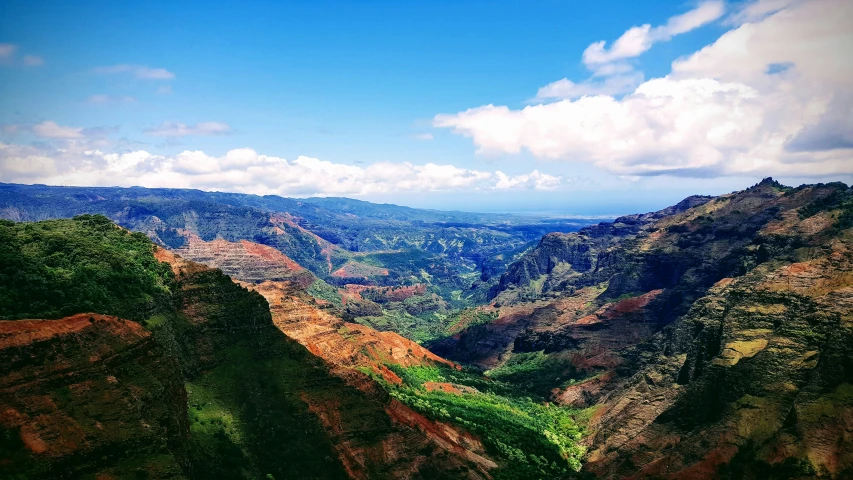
{"type": "Point", "coordinates": [770, 96]}
{"type": "Point", "coordinates": [241, 170]}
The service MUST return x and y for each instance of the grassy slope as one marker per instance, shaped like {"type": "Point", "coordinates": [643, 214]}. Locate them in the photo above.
{"type": "Point", "coordinates": [532, 439]}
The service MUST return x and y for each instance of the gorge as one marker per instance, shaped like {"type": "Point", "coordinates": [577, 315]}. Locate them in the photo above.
{"type": "Point", "coordinates": [156, 333]}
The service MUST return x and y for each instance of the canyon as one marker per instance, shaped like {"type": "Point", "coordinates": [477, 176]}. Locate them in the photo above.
{"type": "Point", "coordinates": [710, 339]}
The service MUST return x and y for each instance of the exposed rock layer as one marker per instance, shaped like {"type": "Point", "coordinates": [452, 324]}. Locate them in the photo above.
{"type": "Point", "coordinates": [712, 339]}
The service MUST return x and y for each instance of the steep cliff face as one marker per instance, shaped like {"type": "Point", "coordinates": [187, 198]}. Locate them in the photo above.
{"type": "Point", "coordinates": [561, 257]}
{"type": "Point", "coordinates": [246, 260]}
{"type": "Point", "coordinates": [405, 444]}
{"type": "Point", "coordinates": [713, 341]}
{"type": "Point", "coordinates": [246, 382]}
{"type": "Point", "coordinates": [756, 380]}
{"type": "Point", "coordinates": [373, 436]}
{"type": "Point", "coordinates": [89, 396]}
{"type": "Point", "coordinates": [203, 385]}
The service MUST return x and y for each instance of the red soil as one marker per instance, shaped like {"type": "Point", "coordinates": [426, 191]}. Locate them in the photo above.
{"type": "Point", "coordinates": [391, 294]}
{"type": "Point", "coordinates": [22, 332]}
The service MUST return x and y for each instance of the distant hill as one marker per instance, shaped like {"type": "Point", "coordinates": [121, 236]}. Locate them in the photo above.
{"type": "Point", "coordinates": [457, 256]}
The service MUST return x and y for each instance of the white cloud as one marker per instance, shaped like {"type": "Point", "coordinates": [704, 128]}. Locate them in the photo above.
{"type": "Point", "coordinates": [638, 40]}
{"type": "Point", "coordinates": [177, 129]}
{"type": "Point", "coordinates": [611, 72]}
{"type": "Point", "coordinates": [33, 61]}
{"type": "Point", "coordinates": [244, 170]}
{"type": "Point", "coordinates": [756, 10]}
{"type": "Point", "coordinates": [138, 71]}
{"type": "Point", "coordinates": [109, 99]}
{"type": "Point", "coordinates": [770, 97]}
{"type": "Point", "coordinates": [48, 129]}
{"type": "Point", "coordinates": [610, 85]}
{"type": "Point", "coordinates": [534, 180]}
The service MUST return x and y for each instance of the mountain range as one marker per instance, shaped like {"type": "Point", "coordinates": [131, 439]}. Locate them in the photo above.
{"type": "Point", "coordinates": [160, 333]}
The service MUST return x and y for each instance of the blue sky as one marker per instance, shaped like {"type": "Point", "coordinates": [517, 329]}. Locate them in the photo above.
{"type": "Point", "coordinates": [361, 84]}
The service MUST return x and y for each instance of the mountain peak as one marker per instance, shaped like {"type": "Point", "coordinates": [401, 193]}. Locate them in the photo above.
{"type": "Point", "coordinates": [769, 182]}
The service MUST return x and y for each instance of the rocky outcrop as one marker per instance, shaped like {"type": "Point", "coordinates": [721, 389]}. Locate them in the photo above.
{"type": "Point", "coordinates": [757, 379]}
{"type": "Point", "coordinates": [712, 341]}
{"type": "Point", "coordinates": [248, 261]}
{"type": "Point", "coordinates": [406, 444]}
{"type": "Point", "coordinates": [373, 436]}
{"type": "Point", "coordinates": [89, 396]}
{"type": "Point", "coordinates": [344, 344]}
{"type": "Point", "coordinates": [562, 256]}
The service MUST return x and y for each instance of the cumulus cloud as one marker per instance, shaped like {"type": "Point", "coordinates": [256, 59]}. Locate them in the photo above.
{"type": "Point", "coordinates": [756, 10]}
{"type": "Point", "coordinates": [728, 109]}
{"type": "Point", "coordinates": [611, 72]}
{"type": "Point", "coordinates": [534, 180]}
{"type": "Point", "coordinates": [177, 129]}
{"type": "Point", "coordinates": [608, 85]}
{"type": "Point", "coordinates": [139, 71]}
{"type": "Point", "coordinates": [244, 170]}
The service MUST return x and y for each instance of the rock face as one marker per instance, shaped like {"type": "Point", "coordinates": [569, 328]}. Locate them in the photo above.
{"type": "Point", "coordinates": [373, 435]}
{"type": "Point", "coordinates": [756, 378]}
{"type": "Point", "coordinates": [341, 343]}
{"type": "Point", "coordinates": [561, 256]}
{"type": "Point", "coordinates": [89, 395]}
{"type": "Point", "coordinates": [246, 260]}
{"type": "Point", "coordinates": [712, 340]}
{"type": "Point", "coordinates": [406, 444]}
{"type": "Point", "coordinates": [205, 386]}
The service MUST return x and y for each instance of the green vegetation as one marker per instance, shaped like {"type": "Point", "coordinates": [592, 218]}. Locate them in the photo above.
{"type": "Point", "coordinates": [421, 328]}
{"type": "Point", "coordinates": [56, 268]}
{"type": "Point", "coordinates": [468, 317]}
{"type": "Point", "coordinates": [533, 439]}
{"type": "Point", "coordinates": [536, 372]}
{"type": "Point", "coordinates": [247, 383]}
{"type": "Point", "coordinates": [841, 200]}
{"type": "Point", "coordinates": [247, 418]}
{"type": "Point", "coordinates": [426, 326]}
{"type": "Point", "coordinates": [322, 290]}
